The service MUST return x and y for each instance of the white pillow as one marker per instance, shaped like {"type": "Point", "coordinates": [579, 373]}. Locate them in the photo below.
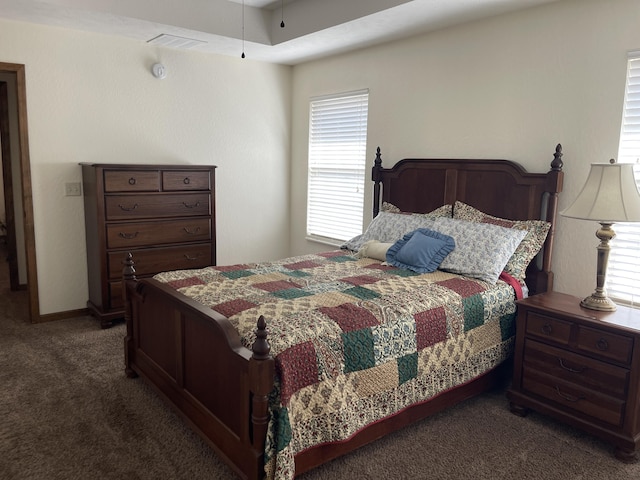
{"type": "Point", "coordinates": [390, 227]}
{"type": "Point", "coordinates": [482, 249]}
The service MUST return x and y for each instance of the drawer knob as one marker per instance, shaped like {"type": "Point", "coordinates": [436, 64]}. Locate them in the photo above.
{"type": "Point", "coordinates": [567, 397]}
{"type": "Point", "coordinates": [569, 369]}
{"type": "Point", "coordinates": [194, 231]}
{"type": "Point", "coordinates": [192, 205]}
{"type": "Point", "coordinates": [602, 345]}
{"type": "Point", "coordinates": [128, 209]}
{"type": "Point", "coordinates": [132, 181]}
{"type": "Point", "coordinates": [128, 236]}
{"type": "Point", "coordinates": [546, 329]}
{"type": "Point", "coordinates": [186, 180]}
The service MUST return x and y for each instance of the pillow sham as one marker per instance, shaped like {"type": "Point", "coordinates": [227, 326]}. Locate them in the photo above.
{"type": "Point", "coordinates": [388, 227]}
{"type": "Point", "coordinates": [420, 251]}
{"type": "Point", "coordinates": [482, 249]}
{"type": "Point", "coordinates": [537, 231]}
{"type": "Point", "coordinates": [374, 249]}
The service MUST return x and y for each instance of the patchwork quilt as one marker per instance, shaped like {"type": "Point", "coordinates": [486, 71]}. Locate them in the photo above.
{"type": "Point", "coordinates": [354, 340]}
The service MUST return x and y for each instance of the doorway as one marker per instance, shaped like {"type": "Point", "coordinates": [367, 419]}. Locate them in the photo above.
{"type": "Point", "coordinates": [16, 173]}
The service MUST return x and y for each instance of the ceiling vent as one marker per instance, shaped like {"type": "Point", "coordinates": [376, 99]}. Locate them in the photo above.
{"type": "Point", "coordinates": [173, 41]}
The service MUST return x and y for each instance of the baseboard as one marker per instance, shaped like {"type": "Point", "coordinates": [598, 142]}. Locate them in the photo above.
{"type": "Point", "coordinates": [52, 317]}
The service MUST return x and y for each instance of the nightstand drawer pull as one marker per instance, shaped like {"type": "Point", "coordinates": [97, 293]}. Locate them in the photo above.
{"type": "Point", "coordinates": [602, 345]}
{"type": "Point", "coordinates": [195, 231]}
{"type": "Point", "coordinates": [546, 328]}
{"type": "Point", "coordinates": [569, 398]}
{"type": "Point", "coordinates": [186, 181]}
{"type": "Point", "coordinates": [190, 258]}
{"type": "Point", "coordinates": [128, 209]}
{"type": "Point", "coordinates": [569, 369]}
{"type": "Point", "coordinates": [132, 181]}
{"type": "Point", "coordinates": [193, 205]}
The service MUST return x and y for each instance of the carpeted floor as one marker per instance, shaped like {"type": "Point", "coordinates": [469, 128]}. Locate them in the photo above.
{"type": "Point", "coordinates": [67, 411]}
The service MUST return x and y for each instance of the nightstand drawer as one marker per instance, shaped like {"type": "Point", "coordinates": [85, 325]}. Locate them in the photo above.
{"type": "Point", "coordinates": [608, 346]}
{"type": "Point", "coordinates": [571, 367]}
{"type": "Point", "coordinates": [123, 207]}
{"type": "Point", "coordinates": [551, 329]}
{"type": "Point", "coordinates": [124, 235]}
{"type": "Point", "coordinates": [131, 181]}
{"type": "Point", "coordinates": [579, 399]}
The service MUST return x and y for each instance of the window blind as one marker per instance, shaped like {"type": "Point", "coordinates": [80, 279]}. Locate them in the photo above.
{"type": "Point", "coordinates": [623, 272]}
{"type": "Point", "coordinates": [337, 158]}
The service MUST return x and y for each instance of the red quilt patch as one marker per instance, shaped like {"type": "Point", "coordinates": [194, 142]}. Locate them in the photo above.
{"type": "Point", "coordinates": [301, 265]}
{"type": "Point", "coordinates": [360, 280]}
{"type": "Point", "coordinates": [431, 327]}
{"type": "Point", "coordinates": [298, 368]}
{"type": "Point", "coordinates": [464, 288]}
{"type": "Point", "coordinates": [233, 307]}
{"type": "Point", "coordinates": [350, 317]}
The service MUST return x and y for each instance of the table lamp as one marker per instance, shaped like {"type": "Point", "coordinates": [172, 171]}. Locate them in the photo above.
{"type": "Point", "coordinates": [609, 196]}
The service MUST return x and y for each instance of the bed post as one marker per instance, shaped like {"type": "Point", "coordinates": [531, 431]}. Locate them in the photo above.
{"type": "Point", "coordinates": [261, 375]}
{"type": "Point", "coordinates": [128, 275]}
{"type": "Point", "coordinates": [376, 177]}
{"type": "Point", "coordinates": [544, 278]}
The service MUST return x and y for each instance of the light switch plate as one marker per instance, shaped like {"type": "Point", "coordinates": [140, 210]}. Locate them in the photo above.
{"type": "Point", "coordinates": [72, 189]}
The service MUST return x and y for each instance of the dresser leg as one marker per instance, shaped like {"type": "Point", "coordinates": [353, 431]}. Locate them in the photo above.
{"type": "Point", "coordinates": [519, 409]}
{"type": "Point", "coordinates": [626, 456]}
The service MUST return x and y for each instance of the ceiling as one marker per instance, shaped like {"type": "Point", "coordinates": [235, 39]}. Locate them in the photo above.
{"type": "Point", "coordinates": [313, 28]}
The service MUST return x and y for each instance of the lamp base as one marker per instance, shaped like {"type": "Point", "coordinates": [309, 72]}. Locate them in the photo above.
{"type": "Point", "coordinates": [598, 302]}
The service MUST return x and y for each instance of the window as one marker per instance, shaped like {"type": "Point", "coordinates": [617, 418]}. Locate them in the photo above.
{"type": "Point", "coordinates": [623, 274]}
{"type": "Point", "coordinates": [337, 158]}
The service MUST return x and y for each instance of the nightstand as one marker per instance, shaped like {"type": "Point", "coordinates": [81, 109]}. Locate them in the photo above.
{"type": "Point", "coordinates": [581, 367]}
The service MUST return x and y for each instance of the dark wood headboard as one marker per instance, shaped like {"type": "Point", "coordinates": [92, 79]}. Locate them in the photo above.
{"type": "Point", "coordinates": [502, 188]}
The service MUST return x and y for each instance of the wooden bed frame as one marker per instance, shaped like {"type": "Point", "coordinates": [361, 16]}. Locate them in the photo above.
{"type": "Point", "coordinates": [193, 357]}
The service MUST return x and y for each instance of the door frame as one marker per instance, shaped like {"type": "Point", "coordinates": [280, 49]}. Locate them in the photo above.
{"type": "Point", "coordinates": [18, 70]}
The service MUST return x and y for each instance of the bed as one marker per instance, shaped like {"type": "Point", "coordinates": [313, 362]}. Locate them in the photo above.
{"type": "Point", "coordinates": [282, 366]}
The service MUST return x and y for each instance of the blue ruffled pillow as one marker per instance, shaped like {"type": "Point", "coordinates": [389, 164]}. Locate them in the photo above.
{"type": "Point", "coordinates": [420, 251]}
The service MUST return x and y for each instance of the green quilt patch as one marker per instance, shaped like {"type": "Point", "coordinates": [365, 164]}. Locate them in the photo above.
{"type": "Point", "coordinates": [358, 350]}
{"type": "Point", "coordinates": [473, 311]}
{"type": "Point", "coordinates": [407, 367]}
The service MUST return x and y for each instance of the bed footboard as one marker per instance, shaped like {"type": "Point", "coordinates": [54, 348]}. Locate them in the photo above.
{"type": "Point", "coordinates": [193, 358]}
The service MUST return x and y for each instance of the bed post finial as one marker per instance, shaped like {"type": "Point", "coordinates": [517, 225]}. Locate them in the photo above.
{"type": "Point", "coordinates": [375, 176]}
{"type": "Point", "coordinates": [261, 375]}
{"type": "Point", "coordinates": [129, 270]}
{"type": "Point", "coordinates": [556, 164]}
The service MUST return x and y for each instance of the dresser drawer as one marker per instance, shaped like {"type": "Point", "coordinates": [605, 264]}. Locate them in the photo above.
{"type": "Point", "coordinates": [185, 180]}
{"type": "Point", "coordinates": [571, 367]}
{"type": "Point", "coordinates": [154, 260]}
{"type": "Point", "coordinates": [131, 181]}
{"type": "Point", "coordinates": [551, 329]}
{"type": "Point", "coordinates": [575, 397]}
{"type": "Point", "coordinates": [605, 345]}
{"type": "Point", "coordinates": [122, 207]}
{"type": "Point", "coordinates": [124, 235]}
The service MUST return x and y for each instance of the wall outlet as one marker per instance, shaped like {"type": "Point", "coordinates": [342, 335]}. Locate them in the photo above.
{"type": "Point", "coordinates": [72, 189]}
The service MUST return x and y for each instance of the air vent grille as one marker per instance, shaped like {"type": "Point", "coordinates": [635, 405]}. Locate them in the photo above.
{"type": "Point", "coordinates": [173, 41]}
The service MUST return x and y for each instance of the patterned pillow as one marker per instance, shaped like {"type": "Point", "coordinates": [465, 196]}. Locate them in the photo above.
{"type": "Point", "coordinates": [390, 227]}
{"type": "Point", "coordinates": [482, 250]}
{"type": "Point", "coordinates": [420, 251]}
{"type": "Point", "coordinates": [537, 231]}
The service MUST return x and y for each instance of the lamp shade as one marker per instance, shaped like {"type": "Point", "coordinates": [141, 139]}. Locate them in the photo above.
{"type": "Point", "coordinates": [610, 195]}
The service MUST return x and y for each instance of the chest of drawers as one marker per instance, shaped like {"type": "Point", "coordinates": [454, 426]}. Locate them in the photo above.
{"type": "Point", "coordinates": [581, 367]}
{"type": "Point", "coordinates": [163, 214]}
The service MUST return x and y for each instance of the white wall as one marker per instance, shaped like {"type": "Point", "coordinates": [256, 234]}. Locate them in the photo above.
{"type": "Point", "coordinates": [511, 87]}
{"type": "Point", "coordinates": [92, 98]}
